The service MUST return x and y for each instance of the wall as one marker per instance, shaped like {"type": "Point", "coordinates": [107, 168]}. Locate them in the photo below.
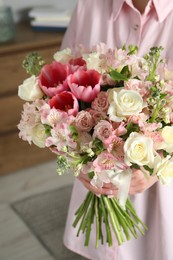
{"type": "Point", "coordinates": [21, 7]}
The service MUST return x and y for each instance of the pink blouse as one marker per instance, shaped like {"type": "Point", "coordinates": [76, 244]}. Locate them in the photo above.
{"type": "Point", "coordinates": [117, 22]}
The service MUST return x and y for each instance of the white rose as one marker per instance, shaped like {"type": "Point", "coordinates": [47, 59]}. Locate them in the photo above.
{"type": "Point", "coordinates": [167, 135]}
{"type": "Point", "coordinates": [125, 103]}
{"type": "Point", "coordinates": [138, 149]}
{"type": "Point", "coordinates": [30, 90]}
{"type": "Point", "coordinates": [163, 168]}
{"type": "Point", "coordinates": [63, 56]}
{"type": "Point", "coordinates": [39, 135]}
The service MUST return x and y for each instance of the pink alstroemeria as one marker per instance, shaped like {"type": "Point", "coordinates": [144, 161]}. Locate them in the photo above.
{"type": "Point", "coordinates": [107, 161]}
{"type": "Point", "coordinates": [52, 79]}
{"type": "Point", "coordinates": [65, 101]}
{"type": "Point", "coordinates": [85, 85]}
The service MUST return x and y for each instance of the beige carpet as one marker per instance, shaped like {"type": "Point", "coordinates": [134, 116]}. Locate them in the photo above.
{"type": "Point", "coordinates": [45, 215]}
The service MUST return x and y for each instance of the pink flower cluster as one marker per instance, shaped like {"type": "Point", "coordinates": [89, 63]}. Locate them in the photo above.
{"type": "Point", "coordinates": [91, 115]}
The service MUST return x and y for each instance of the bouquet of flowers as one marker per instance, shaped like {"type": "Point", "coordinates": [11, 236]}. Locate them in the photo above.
{"type": "Point", "coordinates": [104, 112]}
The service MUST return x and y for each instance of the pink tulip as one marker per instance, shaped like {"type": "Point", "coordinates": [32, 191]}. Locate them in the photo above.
{"type": "Point", "coordinates": [85, 85]}
{"type": "Point", "coordinates": [65, 101]}
{"type": "Point", "coordinates": [52, 78]}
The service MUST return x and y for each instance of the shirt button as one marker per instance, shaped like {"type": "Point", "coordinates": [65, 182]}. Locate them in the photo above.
{"type": "Point", "coordinates": [135, 27]}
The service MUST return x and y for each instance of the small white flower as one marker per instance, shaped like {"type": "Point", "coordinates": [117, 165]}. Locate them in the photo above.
{"type": "Point", "coordinates": [30, 90]}
{"type": "Point", "coordinates": [39, 135]}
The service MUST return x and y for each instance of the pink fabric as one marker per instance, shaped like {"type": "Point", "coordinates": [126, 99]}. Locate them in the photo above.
{"type": "Point", "coordinates": [117, 22]}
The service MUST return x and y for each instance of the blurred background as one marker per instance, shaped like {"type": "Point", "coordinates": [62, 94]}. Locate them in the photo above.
{"type": "Point", "coordinates": [25, 26]}
{"type": "Point", "coordinates": [25, 170]}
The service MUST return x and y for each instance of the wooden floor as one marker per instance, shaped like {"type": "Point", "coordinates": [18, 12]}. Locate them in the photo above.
{"type": "Point", "coordinates": [16, 240]}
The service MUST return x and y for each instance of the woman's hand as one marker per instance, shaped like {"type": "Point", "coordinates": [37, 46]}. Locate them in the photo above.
{"type": "Point", "coordinates": [139, 183]}
{"type": "Point", "coordinates": [107, 189]}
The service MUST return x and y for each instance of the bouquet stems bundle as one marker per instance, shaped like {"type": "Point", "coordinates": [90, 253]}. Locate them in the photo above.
{"type": "Point", "coordinates": [107, 212]}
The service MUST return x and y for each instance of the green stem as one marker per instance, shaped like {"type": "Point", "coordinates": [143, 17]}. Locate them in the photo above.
{"type": "Point", "coordinates": [90, 221]}
{"type": "Point", "coordinates": [133, 212]}
{"type": "Point", "coordinates": [97, 222]}
{"type": "Point", "coordinates": [100, 222]}
{"type": "Point", "coordinates": [114, 220]}
{"type": "Point", "coordinates": [155, 113]}
{"type": "Point", "coordinates": [122, 220]}
{"type": "Point", "coordinates": [105, 216]}
{"type": "Point", "coordinates": [82, 209]}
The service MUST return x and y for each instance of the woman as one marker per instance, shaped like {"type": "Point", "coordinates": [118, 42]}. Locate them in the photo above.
{"type": "Point", "coordinates": [146, 24]}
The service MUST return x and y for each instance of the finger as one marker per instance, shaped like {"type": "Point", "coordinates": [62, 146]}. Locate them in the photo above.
{"type": "Point", "coordinates": [99, 191]}
{"type": "Point", "coordinates": [106, 185]}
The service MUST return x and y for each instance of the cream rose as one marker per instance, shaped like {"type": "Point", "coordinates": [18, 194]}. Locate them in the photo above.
{"type": "Point", "coordinates": [125, 103]}
{"type": "Point", "coordinates": [163, 168]}
{"type": "Point", "coordinates": [167, 135]}
{"type": "Point", "coordinates": [138, 149]}
{"type": "Point", "coordinates": [30, 90]}
{"type": "Point", "coordinates": [63, 56]}
{"type": "Point", "coordinates": [39, 135]}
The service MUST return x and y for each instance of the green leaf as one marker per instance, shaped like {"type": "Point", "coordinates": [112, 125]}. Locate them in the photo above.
{"type": "Point", "coordinates": [74, 132]}
{"type": "Point", "coordinates": [165, 154]}
{"type": "Point", "coordinates": [135, 166]}
{"type": "Point", "coordinates": [117, 76]}
{"type": "Point", "coordinates": [146, 167]}
{"type": "Point", "coordinates": [125, 71]}
{"type": "Point", "coordinates": [131, 127]}
{"type": "Point", "coordinates": [133, 49]}
{"type": "Point", "coordinates": [91, 175]}
{"type": "Point", "coordinates": [47, 129]}
{"type": "Point", "coordinates": [97, 143]}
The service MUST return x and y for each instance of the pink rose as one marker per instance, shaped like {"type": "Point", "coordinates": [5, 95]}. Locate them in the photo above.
{"type": "Point", "coordinates": [52, 79]}
{"type": "Point", "coordinates": [65, 101]}
{"type": "Point", "coordinates": [85, 85]}
{"type": "Point", "coordinates": [96, 115]}
{"type": "Point", "coordinates": [100, 103]}
{"type": "Point", "coordinates": [84, 121]}
{"type": "Point", "coordinates": [103, 130]}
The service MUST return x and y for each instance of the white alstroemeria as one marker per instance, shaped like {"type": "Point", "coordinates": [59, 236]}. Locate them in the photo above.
{"type": "Point", "coordinates": [167, 135]}
{"type": "Point", "coordinates": [63, 56]}
{"type": "Point", "coordinates": [163, 168]}
{"type": "Point", "coordinates": [93, 61]}
{"type": "Point", "coordinates": [39, 135]}
{"type": "Point", "coordinates": [100, 178]}
{"type": "Point", "coordinates": [138, 149]}
{"type": "Point", "coordinates": [30, 90]}
{"type": "Point", "coordinates": [125, 103]}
